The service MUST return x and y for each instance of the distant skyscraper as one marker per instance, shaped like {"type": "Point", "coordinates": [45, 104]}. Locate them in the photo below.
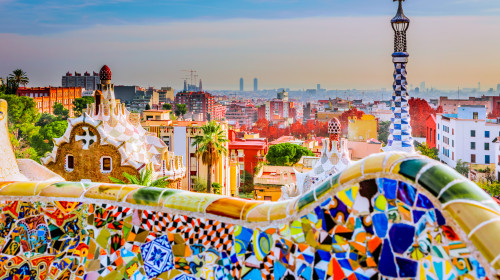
{"type": "Point", "coordinates": [185, 85]}
{"type": "Point", "coordinates": [400, 129]}
{"type": "Point", "coordinates": [241, 84]}
{"type": "Point", "coordinates": [318, 87]}
{"type": "Point", "coordinates": [479, 86]}
{"type": "Point", "coordinates": [201, 86]}
{"type": "Point", "coordinates": [255, 84]}
{"type": "Point", "coordinates": [422, 86]}
{"type": "Point", "coordinates": [498, 87]}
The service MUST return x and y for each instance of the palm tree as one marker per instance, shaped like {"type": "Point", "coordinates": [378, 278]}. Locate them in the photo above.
{"type": "Point", "coordinates": [210, 147]}
{"type": "Point", "coordinates": [19, 77]}
{"type": "Point", "coordinates": [145, 179]}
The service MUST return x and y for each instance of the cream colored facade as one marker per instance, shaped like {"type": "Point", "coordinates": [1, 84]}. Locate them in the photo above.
{"type": "Point", "coordinates": [179, 136]}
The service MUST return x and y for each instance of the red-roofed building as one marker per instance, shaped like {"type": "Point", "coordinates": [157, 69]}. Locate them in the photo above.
{"type": "Point", "coordinates": [198, 103]}
{"type": "Point", "coordinates": [46, 97]}
{"type": "Point", "coordinates": [430, 131]}
{"type": "Point", "coordinates": [248, 152]}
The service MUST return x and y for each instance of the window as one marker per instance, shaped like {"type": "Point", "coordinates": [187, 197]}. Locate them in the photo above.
{"type": "Point", "coordinates": [452, 155]}
{"type": "Point", "coordinates": [438, 136]}
{"type": "Point", "coordinates": [452, 131]}
{"type": "Point", "coordinates": [472, 133]}
{"type": "Point", "coordinates": [486, 146]}
{"type": "Point", "coordinates": [268, 198]}
{"type": "Point", "coordinates": [70, 163]}
{"type": "Point", "coordinates": [487, 134]}
{"type": "Point", "coordinates": [453, 143]}
{"type": "Point", "coordinates": [472, 145]}
{"type": "Point", "coordinates": [106, 165]}
{"type": "Point", "coordinates": [473, 158]}
{"type": "Point", "coordinates": [475, 115]}
{"type": "Point", "coordinates": [487, 159]}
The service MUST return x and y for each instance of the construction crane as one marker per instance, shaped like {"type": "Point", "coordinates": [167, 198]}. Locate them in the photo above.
{"type": "Point", "coordinates": [192, 73]}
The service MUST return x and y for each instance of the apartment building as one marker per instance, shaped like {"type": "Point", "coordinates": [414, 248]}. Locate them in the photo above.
{"type": "Point", "coordinates": [466, 136]}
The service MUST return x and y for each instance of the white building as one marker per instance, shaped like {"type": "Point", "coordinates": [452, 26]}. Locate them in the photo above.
{"type": "Point", "coordinates": [496, 147]}
{"type": "Point", "coordinates": [466, 136]}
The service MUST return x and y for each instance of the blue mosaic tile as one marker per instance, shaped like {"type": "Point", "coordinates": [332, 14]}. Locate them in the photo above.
{"type": "Point", "coordinates": [401, 237]}
{"type": "Point", "coordinates": [407, 268]}
{"type": "Point", "coordinates": [406, 193]}
{"type": "Point", "coordinates": [387, 266]}
{"type": "Point", "coordinates": [424, 202]}
{"type": "Point", "coordinates": [157, 256]}
{"type": "Point", "coordinates": [381, 224]}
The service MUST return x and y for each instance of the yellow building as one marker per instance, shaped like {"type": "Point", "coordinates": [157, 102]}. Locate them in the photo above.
{"type": "Point", "coordinates": [178, 136]}
{"type": "Point", "coordinates": [362, 129]}
{"type": "Point", "coordinates": [327, 116]}
{"type": "Point", "coordinates": [269, 180]}
{"type": "Point", "coordinates": [157, 115]}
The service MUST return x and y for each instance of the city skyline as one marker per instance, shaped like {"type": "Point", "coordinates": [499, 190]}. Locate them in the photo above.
{"type": "Point", "coordinates": [338, 45]}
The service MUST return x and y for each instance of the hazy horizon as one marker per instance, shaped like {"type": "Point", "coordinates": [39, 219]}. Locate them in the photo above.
{"type": "Point", "coordinates": [292, 44]}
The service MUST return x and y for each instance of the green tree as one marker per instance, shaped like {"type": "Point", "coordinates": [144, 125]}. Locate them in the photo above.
{"type": "Point", "coordinates": [199, 185]}
{"type": "Point", "coordinates": [19, 78]}
{"type": "Point", "coordinates": [148, 107]}
{"type": "Point", "coordinates": [167, 106]}
{"type": "Point", "coordinates": [22, 110]}
{"type": "Point", "coordinates": [45, 119]}
{"type": "Point", "coordinates": [180, 109]}
{"type": "Point", "coordinates": [428, 151]}
{"type": "Point", "coordinates": [383, 131]}
{"type": "Point", "coordinates": [462, 168]}
{"type": "Point", "coordinates": [60, 112]}
{"type": "Point", "coordinates": [211, 147]}
{"type": "Point", "coordinates": [79, 104]}
{"type": "Point", "coordinates": [286, 154]}
{"type": "Point", "coordinates": [492, 188]}
{"type": "Point", "coordinates": [217, 188]}
{"type": "Point", "coordinates": [145, 178]}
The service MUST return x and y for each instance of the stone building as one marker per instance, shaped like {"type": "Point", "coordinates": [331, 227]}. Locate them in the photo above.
{"type": "Point", "coordinates": [104, 142]}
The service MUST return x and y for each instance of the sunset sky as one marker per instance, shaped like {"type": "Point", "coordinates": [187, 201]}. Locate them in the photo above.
{"type": "Point", "coordinates": [285, 43]}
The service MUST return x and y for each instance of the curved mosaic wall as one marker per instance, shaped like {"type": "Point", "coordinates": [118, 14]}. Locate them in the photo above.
{"type": "Point", "coordinates": [390, 215]}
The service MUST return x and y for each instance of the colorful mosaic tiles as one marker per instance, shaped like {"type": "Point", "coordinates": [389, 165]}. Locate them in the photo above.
{"type": "Point", "coordinates": [406, 217]}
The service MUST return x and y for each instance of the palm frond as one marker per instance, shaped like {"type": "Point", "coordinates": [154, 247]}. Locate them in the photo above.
{"type": "Point", "coordinates": [117, 181]}
{"type": "Point", "coordinates": [131, 178]}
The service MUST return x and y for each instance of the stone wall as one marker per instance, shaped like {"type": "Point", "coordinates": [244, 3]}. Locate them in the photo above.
{"type": "Point", "coordinates": [390, 215]}
{"type": "Point", "coordinates": [87, 163]}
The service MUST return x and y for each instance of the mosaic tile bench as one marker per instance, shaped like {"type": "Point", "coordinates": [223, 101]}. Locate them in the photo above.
{"type": "Point", "coordinates": [388, 216]}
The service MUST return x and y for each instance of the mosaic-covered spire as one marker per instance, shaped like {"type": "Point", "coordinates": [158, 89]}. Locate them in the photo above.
{"type": "Point", "coordinates": [400, 130]}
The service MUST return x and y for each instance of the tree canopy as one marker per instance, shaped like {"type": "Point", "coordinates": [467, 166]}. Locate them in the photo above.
{"type": "Point", "coordinates": [383, 131]}
{"type": "Point", "coordinates": [19, 78]}
{"type": "Point", "coordinates": [427, 151]}
{"type": "Point", "coordinates": [286, 154]}
{"type": "Point", "coordinates": [60, 112]}
{"type": "Point", "coordinates": [167, 106]}
{"type": "Point", "coordinates": [79, 104]}
{"type": "Point", "coordinates": [211, 147]}
{"type": "Point", "coordinates": [180, 109]}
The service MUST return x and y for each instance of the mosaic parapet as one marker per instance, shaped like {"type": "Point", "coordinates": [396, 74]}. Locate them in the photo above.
{"type": "Point", "coordinates": [390, 215]}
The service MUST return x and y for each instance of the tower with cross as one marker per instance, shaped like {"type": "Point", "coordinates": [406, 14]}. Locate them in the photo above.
{"type": "Point", "coordinates": [400, 138]}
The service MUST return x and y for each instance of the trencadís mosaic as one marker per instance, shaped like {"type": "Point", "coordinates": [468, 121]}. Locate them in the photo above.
{"type": "Point", "coordinates": [409, 217]}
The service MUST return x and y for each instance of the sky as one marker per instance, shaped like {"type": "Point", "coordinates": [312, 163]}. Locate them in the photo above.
{"type": "Point", "coordinates": [284, 43]}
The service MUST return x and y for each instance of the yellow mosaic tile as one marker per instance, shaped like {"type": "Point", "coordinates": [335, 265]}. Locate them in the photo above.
{"type": "Point", "coordinates": [72, 190]}
{"type": "Point", "coordinates": [103, 191]}
{"type": "Point", "coordinates": [391, 160]}
{"type": "Point", "coordinates": [486, 240]}
{"type": "Point", "coordinates": [194, 202]}
{"type": "Point", "coordinates": [19, 189]}
{"type": "Point", "coordinates": [228, 207]}
{"type": "Point", "coordinates": [374, 163]}
{"type": "Point", "coordinates": [259, 213]}
{"type": "Point", "coordinates": [353, 172]}
{"type": "Point", "coordinates": [125, 190]}
{"type": "Point", "coordinates": [279, 210]}
{"type": "Point", "coordinates": [469, 216]}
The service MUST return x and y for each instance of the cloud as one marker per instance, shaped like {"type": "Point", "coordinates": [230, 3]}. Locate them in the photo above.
{"type": "Point", "coordinates": [297, 53]}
